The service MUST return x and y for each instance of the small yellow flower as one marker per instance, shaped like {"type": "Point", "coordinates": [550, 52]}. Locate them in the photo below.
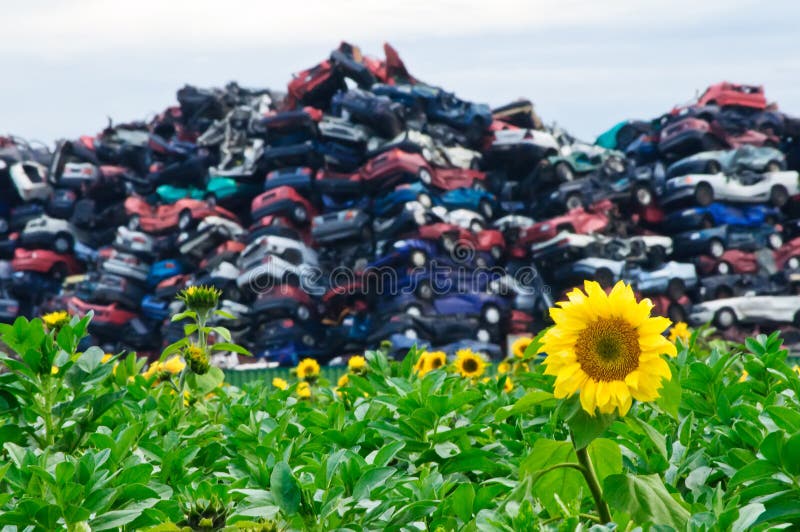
{"type": "Point", "coordinates": [503, 367]}
{"type": "Point", "coordinates": [679, 330]}
{"type": "Point", "coordinates": [56, 320]}
{"type": "Point", "coordinates": [744, 376]}
{"type": "Point", "coordinates": [303, 390]}
{"type": "Point", "coordinates": [308, 368]}
{"type": "Point", "coordinates": [344, 380]}
{"type": "Point", "coordinates": [174, 365]}
{"type": "Point", "coordinates": [53, 370]}
{"type": "Point", "coordinates": [153, 370]}
{"type": "Point", "coordinates": [419, 367]}
{"type": "Point", "coordinates": [106, 358]}
{"type": "Point", "coordinates": [520, 345]}
{"type": "Point", "coordinates": [469, 364]}
{"type": "Point", "coordinates": [279, 383]}
{"type": "Point", "coordinates": [435, 360]}
{"type": "Point", "coordinates": [357, 364]}
{"type": "Point", "coordinates": [796, 368]}
{"type": "Point", "coordinates": [201, 299]}
{"type": "Point", "coordinates": [607, 348]}
{"type": "Point", "coordinates": [508, 385]}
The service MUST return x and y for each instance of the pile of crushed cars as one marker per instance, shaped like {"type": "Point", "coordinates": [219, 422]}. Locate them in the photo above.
{"type": "Point", "coordinates": [364, 205]}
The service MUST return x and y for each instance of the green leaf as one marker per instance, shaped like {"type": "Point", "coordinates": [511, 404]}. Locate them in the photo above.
{"type": "Point", "coordinates": [606, 457]}
{"type": "Point", "coordinates": [183, 315]}
{"type": "Point", "coordinates": [225, 314]}
{"type": "Point", "coordinates": [523, 404]}
{"type": "Point", "coordinates": [371, 478]}
{"type": "Point", "coordinates": [285, 488]}
{"type": "Point", "coordinates": [222, 332]}
{"type": "Point", "coordinates": [463, 499]}
{"type": "Point", "coordinates": [669, 399]}
{"type": "Point", "coordinates": [586, 428]}
{"type": "Point", "coordinates": [747, 516]}
{"type": "Point", "coordinates": [474, 460]}
{"type": "Point", "coordinates": [207, 382]}
{"type": "Point", "coordinates": [567, 483]}
{"type": "Point", "coordinates": [114, 519]}
{"type": "Point", "coordinates": [753, 471]}
{"type": "Point", "coordinates": [90, 359]}
{"type": "Point", "coordinates": [387, 453]}
{"type": "Point", "coordinates": [791, 455]}
{"type": "Point", "coordinates": [645, 499]}
{"type": "Point", "coordinates": [227, 346]}
{"type": "Point", "coordinates": [786, 418]}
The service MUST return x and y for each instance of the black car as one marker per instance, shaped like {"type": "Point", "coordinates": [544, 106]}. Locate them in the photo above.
{"type": "Point", "coordinates": [110, 288]}
{"type": "Point", "coordinates": [737, 285]}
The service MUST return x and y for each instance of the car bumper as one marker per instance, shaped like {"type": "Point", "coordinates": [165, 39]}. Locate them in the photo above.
{"type": "Point", "coordinates": [700, 316]}
{"type": "Point", "coordinates": [280, 207]}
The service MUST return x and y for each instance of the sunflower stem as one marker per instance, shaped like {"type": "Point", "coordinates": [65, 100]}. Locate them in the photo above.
{"type": "Point", "coordinates": [594, 484]}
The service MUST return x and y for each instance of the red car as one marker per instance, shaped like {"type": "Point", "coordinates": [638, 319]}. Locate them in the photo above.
{"type": "Point", "coordinates": [163, 218]}
{"type": "Point", "coordinates": [112, 314]}
{"type": "Point", "coordinates": [453, 178]}
{"type": "Point", "coordinates": [788, 255]}
{"type": "Point", "coordinates": [394, 167]}
{"type": "Point", "coordinates": [727, 93]}
{"type": "Point", "coordinates": [283, 201]}
{"type": "Point", "coordinates": [315, 85]}
{"type": "Point", "coordinates": [227, 251]}
{"type": "Point", "coordinates": [732, 261]}
{"type": "Point", "coordinates": [491, 241]}
{"type": "Point", "coordinates": [580, 221]}
{"type": "Point", "coordinates": [285, 301]}
{"type": "Point", "coordinates": [279, 226]}
{"type": "Point", "coordinates": [58, 265]}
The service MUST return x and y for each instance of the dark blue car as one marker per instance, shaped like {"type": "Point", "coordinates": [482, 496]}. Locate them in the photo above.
{"type": "Point", "coordinates": [721, 214]}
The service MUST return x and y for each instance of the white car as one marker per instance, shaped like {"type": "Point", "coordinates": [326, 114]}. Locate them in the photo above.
{"type": "Point", "coordinates": [435, 153]}
{"type": "Point", "coordinates": [464, 218]}
{"type": "Point", "coordinates": [617, 248]}
{"type": "Point", "coordinates": [773, 187]}
{"type": "Point", "coordinates": [49, 233]}
{"type": "Point", "coordinates": [134, 241]}
{"type": "Point", "coordinates": [210, 231]}
{"type": "Point", "coordinates": [670, 278]}
{"type": "Point", "coordinates": [126, 265]}
{"type": "Point", "coordinates": [538, 143]}
{"type": "Point", "coordinates": [728, 312]}
{"type": "Point", "coordinates": [30, 180]}
{"type": "Point", "coordinates": [270, 260]}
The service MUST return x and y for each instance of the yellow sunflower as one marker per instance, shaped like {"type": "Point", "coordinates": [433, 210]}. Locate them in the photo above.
{"type": "Point", "coordinates": [607, 347]}
{"type": "Point", "coordinates": [357, 364]}
{"type": "Point", "coordinates": [520, 345]}
{"type": "Point", "coordinates": [469, 364]}
{"type": "Point", "coordinates": [419, 367]}
{"type": "Point", "coordinates": [53, 370]}
{"type": "Point", "coordinates": [106, 358]}
{"type": "Point", "coordinates": [508, 385]}
{"type": "Point", "coordinates": [435, 360]}
{"type": "Point", "coordinates": [344, 380]}
{"type": "Point", "coordinates": [503, 367]}
{"type": "Point", "coordinates": [679, 330]}
{"type": "Point", "coordinates": [174, 365]}
{"type": "Point", "coordinates": [308, 368]}
{"type": "Point", "coordinates": [56, 320]}
{"type": "Point", "coordinates": [279, 383]}
{"type": "Point", "coordinates": [303, 390]}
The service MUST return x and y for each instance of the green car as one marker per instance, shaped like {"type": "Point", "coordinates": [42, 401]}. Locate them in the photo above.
{"type": "Point", "coordinates": [581, 162]}
{"type": "Point", "coordinates": [218, 189]}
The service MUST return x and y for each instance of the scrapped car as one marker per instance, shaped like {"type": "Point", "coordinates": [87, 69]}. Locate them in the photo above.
{"type": "Point", "coordinates": [210, 232]}
{"type": "Point", "coordinates": [520, 149]}
{"type": "Point", "coordinates": [125, 265]}
{"type": "Point", "coordinates": [720, 214]}
{"type": "Point", "coordinates": [575, 162]}
{"type": "Point", "coordinates": [716, 240]}
{"type": "Point", "coordinates": [283, 301]}
{"type": "Point", "coordinates": [394, 167]}
{"type": "Point", "coordinates": [739, 285]}
{"type": "Point", "coordinates": [594, 219]}
{"type": "Point", "coordinates": [57, 265]}
{"type": "Point", "coordinates": [746, 187]}
{"type": "Point", "coordinates": [726, 93]}
{"type": "Point", "coordinates": [747, 157]}
{"type": "Point", "coordinates": [725, 313]}
{"type": "Point", "coordinates": [112, 288]}
{"type": "Point", "coordinates": [788, 255]}
{"type": "Point", "coordinates": [342, 225]}
{"type": "Point", "coordinates": [222, 190]}
{"type": "Point", "coordinates": [282, 201]}
{"type": "Point", "coordinates": [48, 233]}
{"type": "Point", "coordinates": [732, 261]}
{"type": "Point", "coordinates": [162, 218]}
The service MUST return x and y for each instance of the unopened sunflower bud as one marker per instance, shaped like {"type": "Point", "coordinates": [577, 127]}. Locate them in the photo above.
{"type": "Point", "coordinates": [197, 359]}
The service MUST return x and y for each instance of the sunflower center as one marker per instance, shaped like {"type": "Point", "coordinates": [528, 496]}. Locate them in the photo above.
{"type": "Point", "coordinates": [436, 363]}
{"type": "Point", "coordinates": [470, 366]}
{"type": "Point", "coordinates": [608, 349]}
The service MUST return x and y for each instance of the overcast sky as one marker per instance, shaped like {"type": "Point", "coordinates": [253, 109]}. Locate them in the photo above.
{"type": "Point", "coordinates": [585, 64]}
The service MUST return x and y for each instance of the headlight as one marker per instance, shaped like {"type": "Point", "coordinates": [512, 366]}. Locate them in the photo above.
{"type": "Point", "coordinates": [694, 236]}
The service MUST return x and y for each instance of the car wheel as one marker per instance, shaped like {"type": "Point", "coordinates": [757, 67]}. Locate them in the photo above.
{"type": "Point", "coordinates": [725, 318]}
{"type": "Point", "coordinates": [62, 243]}
{"type": "Point", "coordinates": [308, 340]}
{"type": "Point", "coordinates": [418, 258]}
{"type": "Point", "coordinates": [134, 222]}
{"type": "Point", "coordinates": [414, 310]}
{"type": "Point", "coordinates": [704, 194]}
{"type": "Point", "coordinates": [676, 289]}
{"type": "Point", "coordinates": [604, 277]}
{"type": "Point", "coordinates": [424, 290]}
{"type": "Point", "coordinates": [427, 154]}
{"type": "Point", "coordinates": [484, 336]}
{"type": "Point", "coordinates": [303, 313]}
{"type": "Point", "coordinates": [563, 172]}
{"type": "Point", "coordinates": [676, 312]}
{"type": "Point", "coordinates": [574, 201]}
{"type": "Point", "coordinates": [184, 220]}
{"type": "Point", "coordinates": [425, 176]}
{"type": "Point", "coordinates": [778, 196]}
{"type": "Point", "coordinates": [712, 167]}
{"type": "Point", "coordinates": [643, 195]}
{"type": "Point", "coordinates": [476, 226]}
{"type": "Point", "coordinates": [793, 263]}
{"type": "Point", "coordinates": [211, 199]}
{"type": "Point", "coordinates": [491, 314]}
{"type": "Point", "coordinates": [773, 166]}
{"type": "Point", "coordinates": [724, 268]}
{"type": "Point", "coordinates": [411, 334]}
{"type": "Point", "coordinates": [300, 214]}
{"type": "Point", "coordinates": [425, 200]}
{"type": "Point", "coordinates": [775, 240]}
{"type": "Point", "coordinates": [481, 262]}
{"type": "Point", "coordinates": [486, 209]}
{"type": "Point", "coordinates": [716, 248]}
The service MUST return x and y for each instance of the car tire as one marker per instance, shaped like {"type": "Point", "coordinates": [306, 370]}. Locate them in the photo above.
{"type": "Point", "coordinates": [643, 195]}
{"type": "Point", "coordinates": [303, 313]}
{"type": "Point", "coordinates": [425, 176]}
{"type": "Point", "coordinates": [704, 194]}
{"type": "Point", "coordinates": [300, 214]}
{"type": "Point", "coordinates": [713, 167]}
{"type": "Point", "coordinates": [574, 201]}
{"type": "Point", "coordinates": [425, 200]}
{"type": "Point", "coordinates": [486, 209]}
{"type": "Point", "coordinates": [483, 335]}
{"type": "Point", "coordinates": [134, 222]}
{"type": "Point", "coordinates": [604, 277]}
{"type": "Point", "coordinates": [563, 172]}
{"type": "Point", "coordinates": [775, 240]}
{"type": "Point", "coordinates": [491, 314]}
{"type": "Point", "coordinates": [476, 226]}
{"type": "Point", "coordinates": [725, 318]}
{"type": "Point", "coordinates": [63, 243]}
{"type": "Point", "coordinates": [676, 289]}
{"type": "Point", "coordinates": [231, 292]}
{"type": "Point", "coordinates": [716, 248]}
{"type": "Point", "coordinates": [184, 219]}
{"type": "Point", "coordinates": [308, 340]}
{"type": "Point", "coordinates": [418, 258]}
{"type": "Point", "coordinates": [773, 166]}
{"type": "Point", "coordinates": [424, 290]}
{"type": "Point", "coordinates": [414, 310]}
{"type": "Point", "coordinates": [211, 199]}
{"type": "Point", "coordinates": [793, 263]}
{"type": "Point", "coordinates": [724, 268]}
{"type": "Point", "coordinates": [779, 196]}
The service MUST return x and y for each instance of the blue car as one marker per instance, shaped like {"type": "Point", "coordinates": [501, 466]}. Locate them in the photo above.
{"type": "Point", "coordinates": [492, 309]}
{"type": "Point", "coordinates": [155, 308]}
{"type": "Point", "coordinates": [720, 214]}
{"type": "Point", "coordinates": [164, 269]}
{"type": "Point", "coordinates": [472, 199]}
{"type": "Point", "coordinates": [286, 342]}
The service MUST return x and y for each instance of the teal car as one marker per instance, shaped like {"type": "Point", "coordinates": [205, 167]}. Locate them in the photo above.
{"type": "Point", "coordinates": [218, 189]}
{"type": "Point", "coordinates": [579, 163]}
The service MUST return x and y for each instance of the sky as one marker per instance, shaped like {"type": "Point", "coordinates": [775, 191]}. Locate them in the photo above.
{"type": "Point", "coordinates": [69, 65]}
